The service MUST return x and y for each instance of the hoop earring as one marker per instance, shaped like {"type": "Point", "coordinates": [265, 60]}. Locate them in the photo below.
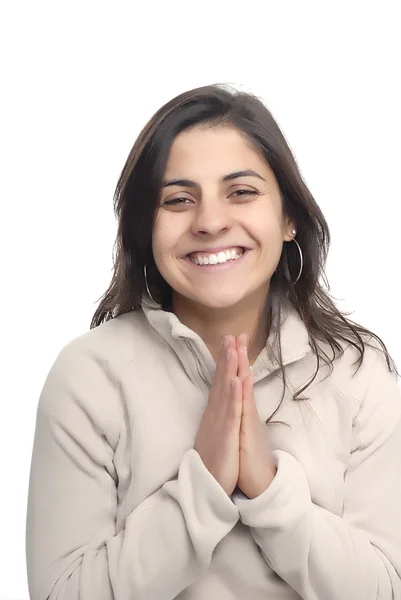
{"type": "Point", "coordinates": [146, 284]}
{"type": "Point", "coordinates": [301, 258]}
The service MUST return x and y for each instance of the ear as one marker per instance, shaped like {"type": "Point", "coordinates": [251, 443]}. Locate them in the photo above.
{"type": "Point", "coordinates": [288, 228]}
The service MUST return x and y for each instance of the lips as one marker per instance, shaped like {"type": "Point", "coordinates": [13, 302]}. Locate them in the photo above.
{"type": "Point", "coordinates": [209, 251]}
{"type": "Point", "coordinates": [210, 268]}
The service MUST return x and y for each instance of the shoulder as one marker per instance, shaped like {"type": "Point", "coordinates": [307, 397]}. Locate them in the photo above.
{"type": "Point", "coordinates": [344, 371]}
{"type": "Point", "coordinates": [116, 342]}
{"type": "Point", "coordinates": [360, 379]}
{"type": "Point", "coordinates": [86, 372]}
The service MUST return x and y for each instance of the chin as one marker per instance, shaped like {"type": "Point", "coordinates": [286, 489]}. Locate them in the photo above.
{"type": "Point", "coordinates": [219, 301]}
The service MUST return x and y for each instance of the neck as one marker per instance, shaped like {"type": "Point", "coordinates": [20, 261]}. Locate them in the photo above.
{"type": "Point", "coordinates": [212, 324]}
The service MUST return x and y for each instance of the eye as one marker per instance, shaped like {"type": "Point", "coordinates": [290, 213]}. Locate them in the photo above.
{"type": "Point", "coordinates": [176, 201]}
{"type": "Point", "coordinates": [244, 193]}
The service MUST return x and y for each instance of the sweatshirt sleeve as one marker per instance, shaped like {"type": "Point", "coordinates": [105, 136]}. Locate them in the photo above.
{"type": "Point", "coordinates": [356, 556]}
{"type": "Point", "coordinates": [73, 549]}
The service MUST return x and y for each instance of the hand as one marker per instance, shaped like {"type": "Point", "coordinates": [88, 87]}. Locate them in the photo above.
{"type": "Point", "coordinates": [217, 439]}
{"type": "Point", "coordinates": [256, 465]}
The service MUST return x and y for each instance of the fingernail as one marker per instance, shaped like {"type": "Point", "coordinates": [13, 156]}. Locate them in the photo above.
{"type": "Point", "coordinates": [245, 339]}
{"type": "Point", "coordinates": [226, 342]}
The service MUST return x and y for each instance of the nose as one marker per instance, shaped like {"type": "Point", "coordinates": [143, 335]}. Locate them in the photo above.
{"type": "Point", "coordinates": [211, 217]}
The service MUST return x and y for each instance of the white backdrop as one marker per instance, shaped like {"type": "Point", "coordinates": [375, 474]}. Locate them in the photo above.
{"type": "Point", "coordinates": [80, 79]}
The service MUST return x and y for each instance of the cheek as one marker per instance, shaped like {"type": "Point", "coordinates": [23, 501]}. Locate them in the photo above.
{"type": "Point", "coordinates": [164, 239]}
{"type": "Point", "coordinates": [158, 241]}
{"type": "Point", "coordinates": [264, 227]}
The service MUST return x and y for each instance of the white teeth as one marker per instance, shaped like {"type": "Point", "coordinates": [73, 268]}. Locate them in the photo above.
{"type": "Point", "coordinates": [214, 259]}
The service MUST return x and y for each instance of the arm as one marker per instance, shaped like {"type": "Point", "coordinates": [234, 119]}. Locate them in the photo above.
{"type": "Point", "coordinates": [324, 556]}
{"type": "Point", "coordinates": [73, 549]}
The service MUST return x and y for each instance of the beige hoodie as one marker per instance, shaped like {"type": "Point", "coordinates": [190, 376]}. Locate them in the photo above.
{"type": "Point", "coordinates": [122, 507]}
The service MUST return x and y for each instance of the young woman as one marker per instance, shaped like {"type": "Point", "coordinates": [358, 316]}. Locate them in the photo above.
{"type": "Point", "coordinates": [174, 455]}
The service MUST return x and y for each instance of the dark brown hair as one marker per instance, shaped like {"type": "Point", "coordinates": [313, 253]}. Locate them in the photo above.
{"type": "Point", "coordinates": [136, 200]}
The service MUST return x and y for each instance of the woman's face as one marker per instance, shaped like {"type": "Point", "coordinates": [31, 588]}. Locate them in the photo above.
{"type": "Point", "coordinates": [210, 213]}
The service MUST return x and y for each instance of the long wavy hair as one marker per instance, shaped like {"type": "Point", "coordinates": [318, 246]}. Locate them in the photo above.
{"type": "Point", "coordinates": [136, 201]}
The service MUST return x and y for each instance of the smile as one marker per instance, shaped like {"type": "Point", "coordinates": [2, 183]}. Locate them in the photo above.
{"type": "Point", "coordinates": [220, 257]}
{"type": "Point", "coordinates": [210, 263]}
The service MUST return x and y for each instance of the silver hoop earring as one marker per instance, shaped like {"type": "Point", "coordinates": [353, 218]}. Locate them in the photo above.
{"type": "Point", "coordinates": [300, 256]}
{"type": "Point", "coordinates": [302, 261]}
{"type": "Point", "coordinates": [146, 284]}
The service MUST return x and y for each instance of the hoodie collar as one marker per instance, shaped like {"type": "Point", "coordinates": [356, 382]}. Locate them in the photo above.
{"type": "Point", "coordinates": [196, 357]}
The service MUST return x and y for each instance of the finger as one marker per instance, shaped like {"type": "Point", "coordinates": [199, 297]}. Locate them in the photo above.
{"type": "Point", "coordinates": [234, 406]}
{"type": "Point", "coordinates": [224, 370]}
{"type": "Point", "coordinates": [243, 362]}
{"type": "Point", "coordinates": [232, 363]}
{"type": "Point", "coordinates": [221, 364]}
{"type": "Point", "coordinates": [249, 407]}
{"type": "Point", "coordinates": [228, 388]}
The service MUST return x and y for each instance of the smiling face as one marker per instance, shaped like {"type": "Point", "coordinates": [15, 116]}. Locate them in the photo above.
{"type": "Point", "coordinates": [210, 213]}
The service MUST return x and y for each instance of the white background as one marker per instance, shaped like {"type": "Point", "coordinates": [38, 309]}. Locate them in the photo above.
{"type": "Point", "coordinates": [80, 79]}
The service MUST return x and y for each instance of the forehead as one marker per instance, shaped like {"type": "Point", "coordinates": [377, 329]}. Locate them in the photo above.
{"type": "Point", "coordinates": [213, 150]}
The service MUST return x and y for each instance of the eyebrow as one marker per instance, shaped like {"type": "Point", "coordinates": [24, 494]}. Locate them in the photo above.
{"type": "Point", "coordinates": [229, 177]}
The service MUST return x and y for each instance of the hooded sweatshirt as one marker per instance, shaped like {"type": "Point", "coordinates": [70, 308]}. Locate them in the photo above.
{"type": "Point", "coordinates": [121, 506]}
